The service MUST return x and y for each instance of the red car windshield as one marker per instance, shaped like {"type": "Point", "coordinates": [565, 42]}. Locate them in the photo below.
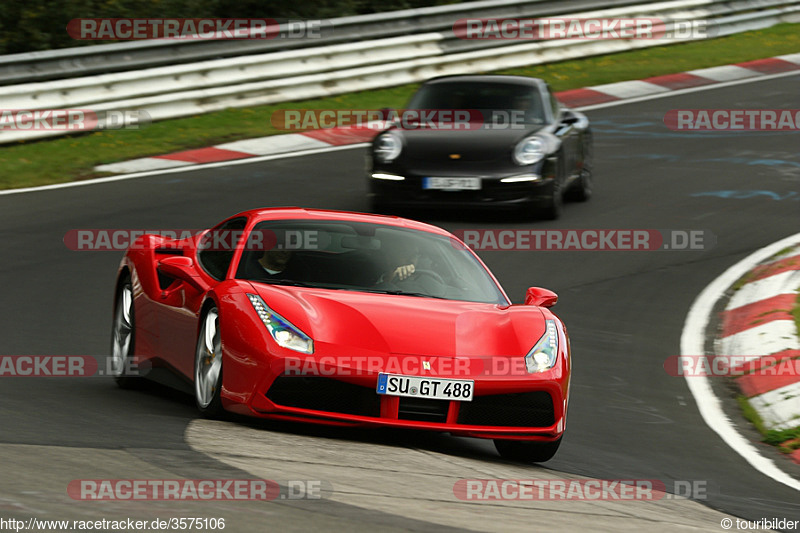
{"type": "Point", "coordinates": [365, 257]}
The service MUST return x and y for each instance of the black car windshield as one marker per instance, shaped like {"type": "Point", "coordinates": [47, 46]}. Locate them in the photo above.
{"type": "Point", "coordinates": [496, 101]}
{"type": "Point", "coordinates": [361, 256]}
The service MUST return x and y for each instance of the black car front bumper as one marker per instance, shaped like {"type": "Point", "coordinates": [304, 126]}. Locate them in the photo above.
{"type": "Point", "coordinates": [493, 193]}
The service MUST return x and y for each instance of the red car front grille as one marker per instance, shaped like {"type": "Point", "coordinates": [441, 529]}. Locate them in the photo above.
{"type": "Point", "coordinates": [524, 409]}
{"type": "Point", "coordinates": [324, 394]}
{"type": "Point", "coordinates": [328, 395]}
{"type": "Point", "coordinates": [423, 409]}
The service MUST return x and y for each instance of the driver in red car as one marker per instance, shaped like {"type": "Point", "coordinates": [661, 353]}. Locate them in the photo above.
{"type": "Point", "coordinates": [407, 258]}
{"type": "Point", "coordinates": [273, 264]}
{"type": "Point", "coordinates": [277, 263]}
{"type": "Point", "coordinates": [402, 272]}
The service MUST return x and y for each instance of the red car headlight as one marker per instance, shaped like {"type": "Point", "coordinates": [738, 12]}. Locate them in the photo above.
{"type": "Point", "coordinates": [282, 331]}
{"type": "Point", "coordinates": [545, 352]}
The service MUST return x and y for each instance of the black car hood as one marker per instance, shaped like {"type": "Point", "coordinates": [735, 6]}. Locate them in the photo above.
{"type": "Point", "coordinates": [479, 145]}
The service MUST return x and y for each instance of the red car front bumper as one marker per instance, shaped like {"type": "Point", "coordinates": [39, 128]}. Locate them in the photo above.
{"type": "Point", "coordinates": [527, 407]}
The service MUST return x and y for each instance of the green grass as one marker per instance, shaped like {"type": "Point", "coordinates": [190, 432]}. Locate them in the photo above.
{"type": "Point", "coordinates": [778, 438]}
{"type": "Point", "coordinates": [785, 251]}
{"type": "Point", "coordinates": [772, 437]}
{"type": "Point", "coordinates": [74, 158]}
{"type": "Point", "coordinates": [796, 311]}
{"type": "Point", "coordinates": [751, 414]}
{"type": "Point", "coordinates": [778, 40]}
{"type": "Point", "coordinates": [748, 277]}
{"type": "Point", "coordinates": [744, 280]}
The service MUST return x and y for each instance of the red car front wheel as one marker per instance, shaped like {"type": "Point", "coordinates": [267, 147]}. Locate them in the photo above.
{"type": "Point", "coordinates": [208, 366]}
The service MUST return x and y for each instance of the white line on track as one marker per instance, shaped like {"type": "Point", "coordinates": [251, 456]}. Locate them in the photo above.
{"type": "Point", "coordinates": [259, 159]}
{"type": "Point", "coordinates": [693, 340]}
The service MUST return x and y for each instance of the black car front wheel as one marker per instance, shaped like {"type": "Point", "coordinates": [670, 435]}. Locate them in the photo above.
{"type": "Point", "coordinates": [555, 203]}
{"type": "Point", "coordinates": [583, 187]}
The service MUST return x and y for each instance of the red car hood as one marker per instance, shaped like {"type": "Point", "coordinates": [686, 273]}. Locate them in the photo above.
{"type": "Point", "coordinates": [370, 322]}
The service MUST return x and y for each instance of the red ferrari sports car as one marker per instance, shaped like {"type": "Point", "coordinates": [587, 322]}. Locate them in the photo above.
{"type": "Point", "coordinates": [345, 319]}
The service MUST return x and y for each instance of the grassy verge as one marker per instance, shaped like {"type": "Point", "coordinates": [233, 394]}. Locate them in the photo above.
{"type": "Point", "coordinates": [74, 158]}
{"type": "Point", "coordinates": [796, 312]}
{"type": "Point", "coordinates": [751, 414]}
{"type": "Point", "coordinates": [786, 440]}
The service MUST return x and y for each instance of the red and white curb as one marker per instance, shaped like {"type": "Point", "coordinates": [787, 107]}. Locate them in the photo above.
{"type": "Point", "coordinates": [698, 326]}
{"type": "Point", "coordinates": [274, 144]}
{"type": "Point", "coordinates": [577, 98]}
{"type": "Point", "coordinates": [757, 323]}
{"type": "Point", "coordinates": [601, 94]}
{"type": "Point", "coordinates": [262, 146]}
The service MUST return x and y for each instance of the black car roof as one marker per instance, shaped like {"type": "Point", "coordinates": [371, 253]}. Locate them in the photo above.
{"type": "Point", "coordinates": [502, 78]}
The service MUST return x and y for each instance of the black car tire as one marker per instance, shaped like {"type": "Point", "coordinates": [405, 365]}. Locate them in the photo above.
{"type": "Point", "coordinates": [555, 205]}
{"type": "Point", "coordinates": [526, 451]}
{"type": "Point", "coordinates": [581, 191]}
{"type": "Point", "coordinates": [208, 366]}
{"type": "Point", "coordinates": [123, 336]}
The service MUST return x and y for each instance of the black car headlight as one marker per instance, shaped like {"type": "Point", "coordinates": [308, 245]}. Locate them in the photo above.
{"type": "Point", "coordinates": [387, 147]}
{"type": "Point", "coordinates": [533, 149]}
{"type": "Point", "coordinates": [545, 352]}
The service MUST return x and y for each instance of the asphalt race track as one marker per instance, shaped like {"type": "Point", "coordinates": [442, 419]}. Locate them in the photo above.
{"type": "Point", "coordinates": [628, 418]}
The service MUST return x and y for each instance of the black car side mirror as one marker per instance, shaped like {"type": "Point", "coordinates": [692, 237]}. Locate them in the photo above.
{"type": "Point", "coordinates": [576, 119]}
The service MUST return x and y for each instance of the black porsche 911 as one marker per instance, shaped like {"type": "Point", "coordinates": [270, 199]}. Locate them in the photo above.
{"type": "Point", "coordinates": [522, 149]}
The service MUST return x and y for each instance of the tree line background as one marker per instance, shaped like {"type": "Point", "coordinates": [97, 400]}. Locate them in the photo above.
{"type": "Point", "coordinates": [29, 25]}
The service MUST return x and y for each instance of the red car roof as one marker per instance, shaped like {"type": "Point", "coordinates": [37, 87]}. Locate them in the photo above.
{"type": "Point", "coordinates": [287, 213]}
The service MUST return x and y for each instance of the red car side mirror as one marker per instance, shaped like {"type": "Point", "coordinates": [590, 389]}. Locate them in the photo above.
{"type": "Point", "coordinates": [181, 268]}
{"type": "Point", "coordinates": [540, 297]}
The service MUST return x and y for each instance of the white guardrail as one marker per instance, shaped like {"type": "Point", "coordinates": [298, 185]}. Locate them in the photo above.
{"type": "Point", "coordinates": [84, 61]}
{"type": "Point", "coordinates": [207, 86]}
